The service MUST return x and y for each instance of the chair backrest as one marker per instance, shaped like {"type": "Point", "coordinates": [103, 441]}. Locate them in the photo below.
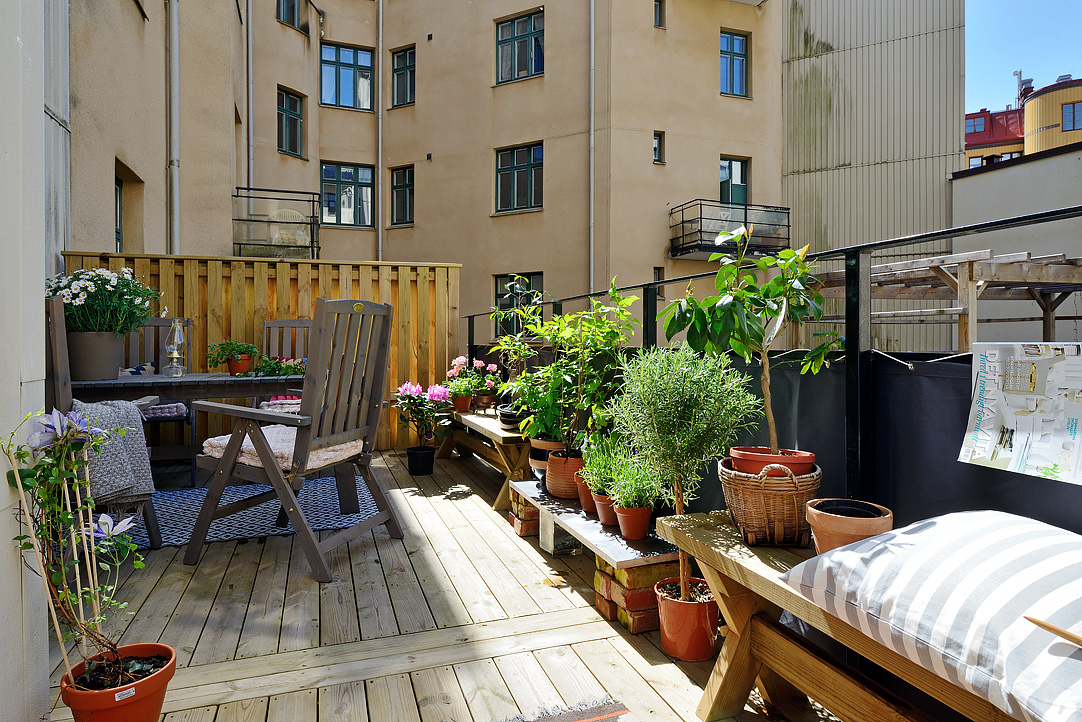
{"type": "Point", "coordinates": [287, 337]}
{"type": "Point", "coordinates": [57, 374]}
{"type": "Point", "coordinates": [345, 376]}
{"type": "Point", "coordinates": [147, 343]}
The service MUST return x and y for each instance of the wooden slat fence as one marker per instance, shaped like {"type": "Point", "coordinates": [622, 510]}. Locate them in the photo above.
{"type": "Point", "coordinates": [229, 298]}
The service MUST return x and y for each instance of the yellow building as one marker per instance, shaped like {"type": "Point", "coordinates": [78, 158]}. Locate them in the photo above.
{"type": "Point", "coordinates": [1053, 115]}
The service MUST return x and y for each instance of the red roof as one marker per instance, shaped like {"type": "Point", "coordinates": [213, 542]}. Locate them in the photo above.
{"type": "Point", "coordinates": [1001, 126]}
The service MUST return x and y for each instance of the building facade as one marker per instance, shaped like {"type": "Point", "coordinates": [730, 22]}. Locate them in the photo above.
{"type": "Point", "coordinates": [992, 136]}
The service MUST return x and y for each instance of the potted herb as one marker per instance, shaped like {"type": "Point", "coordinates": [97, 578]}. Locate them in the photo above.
{"type": "Point", "coordinates": [746, 315]}
{"type": "Point", "coordinates": [425, 412]}
{"type": "Point", "coordinates": [460, 384]}
{"type": "Point", "coordinates": [535, 391]}
{"type": "Point", "coordinates": [680, 410]}
{"type": "Point", "coordinates": [101, 307]}
{"type": "Point", "coordinates": [78, 560]}
{"type": "Point", "coordinates": [600, 456]}
{"type": "Point", "coordinates": [633, 492]}
{"type": "Point", "coordinates": [236, 355]}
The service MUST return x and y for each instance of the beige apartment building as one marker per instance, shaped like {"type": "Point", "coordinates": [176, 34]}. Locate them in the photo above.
{"type": "Point", "coordinates": [551, 141]}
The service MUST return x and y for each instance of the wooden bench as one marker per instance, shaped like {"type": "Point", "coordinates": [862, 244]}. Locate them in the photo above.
{"type": "Point", "coordinates": [506, 450]}
{"type": "Point", "coordinates": [745, 581]}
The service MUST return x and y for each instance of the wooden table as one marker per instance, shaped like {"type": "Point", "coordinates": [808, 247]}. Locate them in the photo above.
{"type": "Point", "coordinates": [745, 581]}
{"type": "Point", "coordinates": [189, 386]}
{"type": "Point", "coordinates": [506, 450]}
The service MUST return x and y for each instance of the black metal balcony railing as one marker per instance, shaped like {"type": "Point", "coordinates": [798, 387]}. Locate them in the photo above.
{"type": "Point", "coordinates": [275, 223]}
{"type": "Point", "coordinates": [695, 225]}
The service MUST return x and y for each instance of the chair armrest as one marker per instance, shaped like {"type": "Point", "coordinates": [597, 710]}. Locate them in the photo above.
{"type": "Point", "coordinates": [246, 412]}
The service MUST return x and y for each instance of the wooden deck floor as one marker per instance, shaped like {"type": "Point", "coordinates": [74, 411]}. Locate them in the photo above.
{"type": "Point", "coordinates": [459, 621]}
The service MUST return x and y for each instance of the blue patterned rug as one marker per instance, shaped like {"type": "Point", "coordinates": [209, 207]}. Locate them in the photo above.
{"type": "Point", "coordinates": [177, 511]}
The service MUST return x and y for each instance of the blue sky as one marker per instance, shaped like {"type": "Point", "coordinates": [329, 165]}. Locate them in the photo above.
{"type": "Point", "coordinates": [1039, 37]}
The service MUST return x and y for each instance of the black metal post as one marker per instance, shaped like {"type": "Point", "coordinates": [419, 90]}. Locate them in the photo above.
{"type": "Point", "coordinates": [859, 421]}
{"type": "Point", "coordinates": [471, 347]}
{"type": "Point", "coordinates": [649, 317]}
{"type": "Point", "coordinates": [557, 308]}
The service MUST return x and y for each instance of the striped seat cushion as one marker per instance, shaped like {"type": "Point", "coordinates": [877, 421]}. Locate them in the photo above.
{"type": "Point", "coordinates": [950, 593]}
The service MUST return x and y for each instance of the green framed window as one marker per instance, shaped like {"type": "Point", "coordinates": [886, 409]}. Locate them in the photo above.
{"type": "Point", "coordinates": [659, 13]}
{"type": "Point", "coordinates": [346, 77]}
{"type": "Point", "coordinates": [520, 47]}
{"type": "Point", "coordinates": [402, 195]}
{"type": "Point", "coordinates": [289, 12]}
{"type": "Point", "coordinates": [974, 125]}
{"type": "Point", "coordinates": [1072, 116]}
{"type": "Point", "coordinates": [734, 181]}
{"type": "Point", "coordinates": [347, 195]}
{"type": "Point", "coordinates": [403, 74]}
{"type": "Point", "coordinates": [659, 146]}
{"type": "Point", "coordinates": [734, 64]}
{"type": "Point", "coordinates": [290, 123]}
{"type": "Point", "coordinates": [520, 178]}
{"type": "Point", "coordinates": [118, 202]}
{"type": "Point", "coordinates": [514, 290]}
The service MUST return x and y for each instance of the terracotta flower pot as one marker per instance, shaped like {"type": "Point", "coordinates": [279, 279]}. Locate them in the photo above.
{"type": "Point", "coordinates": [95, 356]}
{"type": "Point", "coordinates": [461, 403]}
{"type": "Point", "coordinates": [560, 475]}
{"type": "Point", "coordinates": [605, 513]}
{"type": "Point", "coordinates": [586, 499]}
{"type": "Point", "coordinates": [837, 522]}
{"type": "Point", "coordinates": [689, 630]}
{"type": "Point", "coordinates": [752, 459]}
{"type": "Point", "coordinates": [140, 701]}
{"type": "Point", "coordinates": [239, 364]}
{"type": "Point", "coordinates": [540, 450]}
{"type": "Point", "coordinates": [634, 522]}
{"type": "Point", "coordinates": [484, 402]}
{"type": "Point", "coordinates": [420, 460]}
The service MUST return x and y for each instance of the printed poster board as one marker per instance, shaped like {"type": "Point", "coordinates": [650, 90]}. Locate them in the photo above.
{"type": "Point", "coordinates": [1027, 401]}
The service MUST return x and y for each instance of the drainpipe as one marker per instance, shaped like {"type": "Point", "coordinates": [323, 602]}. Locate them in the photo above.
{"type": "Point", "coordinates": [379, 136]}
{"type": "Point", "coordinates": [591, 180]}
{"type": "Point", "coordinates": [248, 113]}
{"type": "Point", "coordinates": [174, 127]}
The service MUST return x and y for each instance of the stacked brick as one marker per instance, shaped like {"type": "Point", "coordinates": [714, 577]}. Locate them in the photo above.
{"type": "Point", "coordinates": [523, 517]}
{"type": "Point", "coordinates": [627, 595]}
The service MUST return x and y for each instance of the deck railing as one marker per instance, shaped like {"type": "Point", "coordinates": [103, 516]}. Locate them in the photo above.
{"type": "Point", "coordinates": [229, 298]}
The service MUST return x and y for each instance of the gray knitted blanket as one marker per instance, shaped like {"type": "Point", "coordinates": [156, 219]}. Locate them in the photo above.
{"type": "Point", "coordinates": [120, 475]}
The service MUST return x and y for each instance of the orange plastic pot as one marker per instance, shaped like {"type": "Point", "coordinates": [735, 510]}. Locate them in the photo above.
{"type": "Point", "coordinates": [140, 701]}
{"type": "Point", "coordinates": [586, 499]}
{"type": "Point", "coordinates": [689, 630]}
{"type": "Point", "coordinates": [560, 475]}
{"type": "Point", "coordinates": [634, 522]}
{"type": "Point", "coordinates": [605, 513]}
{"type": "Point", "coordinates": [238, 365]}
{"type": "Point", "coordinates": [752, 459]}
{"type": "Point", "coordinates": [461, 403]}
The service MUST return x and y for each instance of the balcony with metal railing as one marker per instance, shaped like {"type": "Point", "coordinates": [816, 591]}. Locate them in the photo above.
{"type": "Point", "coordinates": [696, 224]}
{"type": "Point", "coordinates": [269, 223]}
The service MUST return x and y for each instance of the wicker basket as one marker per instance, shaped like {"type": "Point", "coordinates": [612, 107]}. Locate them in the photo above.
{"type": "Point", "coordinates": [769, 509]}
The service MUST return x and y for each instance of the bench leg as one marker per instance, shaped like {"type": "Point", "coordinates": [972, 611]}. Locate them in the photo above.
{"type": "Point", "coordinates": [447, 446]}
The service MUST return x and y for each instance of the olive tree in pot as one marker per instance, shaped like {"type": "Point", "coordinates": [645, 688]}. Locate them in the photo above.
{"type": "Point", "coordinates": [746, 315]}
{"type": "Point", "coordinates": [78, 560]}
{"type": "Point", "coordinates": [680, 410]}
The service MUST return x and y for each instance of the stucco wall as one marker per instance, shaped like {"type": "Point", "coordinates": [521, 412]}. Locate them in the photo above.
{"type": "Point", "coordinates": [1023, 187]}
{"type": "Point", "coordinates": [23, 648]}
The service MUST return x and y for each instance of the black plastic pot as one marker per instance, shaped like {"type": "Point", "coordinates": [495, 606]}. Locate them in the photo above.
{"type": "Point", "coordinates": [849, 507]}
{"type": "Point", "coordinates": [510, 420]}
{"type": "Point", "coordinates": [420, 460]}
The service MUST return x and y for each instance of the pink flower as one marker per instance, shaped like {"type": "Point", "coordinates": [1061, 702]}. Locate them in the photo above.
{"type": "Point", "coordinates": [460, 361]}
{"type": "Point", "coordinates": [438, 393]}
{"type": "Point", "coordinates": [408, 389]}
{"type": "Point", "coordinates": [491, 368]}
{"type": "Point", "coordinates": [453, 372]}
{"type": "Point", "coordinates": [478, 363]}
{"type": "Point", "coordinates": [490, 383]}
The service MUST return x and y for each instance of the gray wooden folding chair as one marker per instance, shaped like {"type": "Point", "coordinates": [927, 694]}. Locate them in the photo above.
{"type": "Point", "coordinates": [336, 427]}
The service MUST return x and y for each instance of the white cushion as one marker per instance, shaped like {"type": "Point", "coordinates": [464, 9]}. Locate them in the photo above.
{"type": "Point", "coordinates": [950, 593]}
{"type": "Point", "coordinates": [282, 439]}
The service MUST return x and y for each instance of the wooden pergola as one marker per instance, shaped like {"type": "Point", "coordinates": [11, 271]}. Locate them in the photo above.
{"type": "Point", "coordinates": [966, 278]}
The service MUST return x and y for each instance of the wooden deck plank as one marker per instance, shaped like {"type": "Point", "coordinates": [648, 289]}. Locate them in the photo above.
{"type": "Point", "coordinates": [263, 622]}
{"type": "Point", "coordinates": [534, 694]}
{"type": "Point", "coordinates": [247, 710]}
{"type": "Point", "coordinates": [187, 620]}
{"type": "Point", "coordinates": [338, 616]}
{"type": "Point", "coordinates": [439, 696]}
{"type": "Point", "coordinates": [343, 703]}
{"type": "Point", "coordinates": [154, 614]}
{"type": "Point", "coordinates": [221, 634]}
{"type": "Point", "coordinates": [485, 691]}
{"type": "Point", "coordinates": [297, 706]}
{"type": "Point", "coordinates": [668, 680]}
{"type": "Point", "coordinates": [202, 714]}
{"type": "Point", "coordinates": [300, 616]}
{"type": "Point", "coordinates": [407, 598]}
{"type": "Point", "coordinates": [443, 599]}
{"type": "Point", "coordinates": [371, 597]}
{"type": "Point", "coordinates": [574, 681]}
{"type": "Point", "coordinates": [390, 699]}
{"type": "Point", "coordinates": [624, 683]}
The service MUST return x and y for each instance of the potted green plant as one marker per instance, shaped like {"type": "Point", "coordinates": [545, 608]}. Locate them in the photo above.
{"type": "Point", "coordinates": [101, 307]}
{"type": "Point", "coordinates": [680, 410]}
{"type": "Point", "coordinates": [425, 412]}
{"type": "Point", "coordinates": [746, 315]}
{"type": "Point", "coordinates": [536, 392]}
{"type": "Point", "coordinates": [78, 560]}
{"type": "Point", "coordinates": [600, 457]}
{"type": "Point", "coordinates": [460, 384]}
{"type": "Point", "coordinates": [236, 355]}
{"type": "Point", "coordinates": [488, 384]}
{"type": "Point", "coordinates": [633, 492]}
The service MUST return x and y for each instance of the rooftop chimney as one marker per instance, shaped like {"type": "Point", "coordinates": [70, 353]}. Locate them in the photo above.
{"type": "Point", "coordinates": [1063, 78]}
